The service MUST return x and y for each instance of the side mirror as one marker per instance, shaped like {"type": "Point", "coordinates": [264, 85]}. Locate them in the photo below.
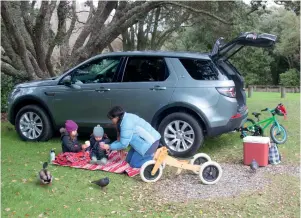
{"type": "Point", "coordinates": [67, 81]}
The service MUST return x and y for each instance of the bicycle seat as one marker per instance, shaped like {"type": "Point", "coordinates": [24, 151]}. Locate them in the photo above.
{"type": "Point", "coordinates": [256, 114]}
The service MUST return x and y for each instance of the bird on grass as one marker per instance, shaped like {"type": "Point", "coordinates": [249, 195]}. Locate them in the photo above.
{"type": "Point", "coordinates": [254, 166]}
{"type": "Point", "coordinates": [45, 176]}
{"type": "Point", "coordinates": [102, 182]}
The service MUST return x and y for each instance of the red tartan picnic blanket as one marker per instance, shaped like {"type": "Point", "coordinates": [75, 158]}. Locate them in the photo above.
{"type": "Point", "coordinates": [116, 162]}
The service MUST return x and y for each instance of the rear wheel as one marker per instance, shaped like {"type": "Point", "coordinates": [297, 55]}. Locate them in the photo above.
{"type": "Point", "coordinates": [199, 159]}
{"type": "Point", "coordinates": [33, 124]}
{"type": "Point", "coordinates": [181, 133]}
{"type": "Point", "coordinates": [248, 128]}
{"type": "Point", "coordinates": [278, 134]}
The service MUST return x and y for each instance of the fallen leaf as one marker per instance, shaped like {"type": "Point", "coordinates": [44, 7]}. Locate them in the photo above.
{"type": "Point", "coordinates": [27, 214]}
{"type": "Point", "coordinates": [7, 209]}
{"type": "Point", "coordinates": [78, 209]}
{"type": "Point", "coordinates": [24, 180]}
{"type": "Point", "coordinates": [65, 206]}
{"type": "Point", "coordinates": [14, 180]}
{"type": "Point", "coordinates": [113, 212]}
{"type": "Point", "coordinates": [131, 209]}
{"type": "Point", "coordinates": [41, 215]}
{"type": "Point", "coordinates": [56, 178]}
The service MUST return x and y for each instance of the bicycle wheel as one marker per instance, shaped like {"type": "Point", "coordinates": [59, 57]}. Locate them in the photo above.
{"type": "Point", "coordinates": [278, 134]}
{"type": "Point", "coordinates": [248, 128]}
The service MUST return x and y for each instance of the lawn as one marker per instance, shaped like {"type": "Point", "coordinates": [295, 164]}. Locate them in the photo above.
{"type": "Point", "coordinates": [71, 194]}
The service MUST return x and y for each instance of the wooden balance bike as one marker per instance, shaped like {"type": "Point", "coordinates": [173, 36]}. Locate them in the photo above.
{"type": "Point", "coordinates": [209, 171]}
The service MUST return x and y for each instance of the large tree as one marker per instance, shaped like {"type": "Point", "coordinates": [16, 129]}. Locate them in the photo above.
{"type": "Point", "coordinates": [29, 40]}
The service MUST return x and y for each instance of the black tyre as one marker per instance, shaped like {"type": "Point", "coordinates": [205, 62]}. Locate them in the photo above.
{"type": "Point", "coordinates": [146, 172]}
{"type": "Point", "coordinates": [182, 134]}
{"type": "Point", "coordinates": [278, 134]}
{"type": "Point", "coordinates": [33, 124]}
{"type": "Point", "coordinates": [249, 132]}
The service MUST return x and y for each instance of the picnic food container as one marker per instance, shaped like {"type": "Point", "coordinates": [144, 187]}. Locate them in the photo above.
{"type": "Point", "coordinates": [256, 147]}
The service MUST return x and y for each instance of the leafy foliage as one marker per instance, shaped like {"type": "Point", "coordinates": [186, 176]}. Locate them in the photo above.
{"type": "Point", "coordinates": [290, 78]}
{"type": "Point", "coordinates": [7, 85]}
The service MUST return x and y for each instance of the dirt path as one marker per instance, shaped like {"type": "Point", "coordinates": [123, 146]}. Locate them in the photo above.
{"type": "Point", "coordinates": [236, 179]}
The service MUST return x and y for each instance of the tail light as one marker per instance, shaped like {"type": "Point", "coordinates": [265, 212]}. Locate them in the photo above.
{"type": "Point", "coordinates": [228, 91]}
{"type": "Point", "coordinates": [236, 116]}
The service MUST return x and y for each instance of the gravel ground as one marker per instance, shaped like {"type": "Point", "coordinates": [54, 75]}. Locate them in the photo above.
{"type": "Point", "coordinates": [235, 180]}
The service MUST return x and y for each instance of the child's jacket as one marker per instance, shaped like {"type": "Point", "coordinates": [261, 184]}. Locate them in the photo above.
{"type": "Point", "coordinates": [95, 149]}
{"type": "Point", "coordinates": [69, 145]}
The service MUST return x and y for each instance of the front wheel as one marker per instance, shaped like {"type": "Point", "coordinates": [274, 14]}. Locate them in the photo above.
{"type": "Point", "coordinates": [146, 172]}
{"type": "Point", "coordinates": [33, 124]}
{"type": "Point", "coordinates": [278, 134]}
{"type": "Point", "coordinates": [210, 173]}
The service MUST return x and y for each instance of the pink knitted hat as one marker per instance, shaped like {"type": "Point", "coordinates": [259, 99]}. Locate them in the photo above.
{"type": "Point", "coordinates": [70, 126]}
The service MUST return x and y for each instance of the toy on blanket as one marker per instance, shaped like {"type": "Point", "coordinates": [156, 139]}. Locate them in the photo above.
{"type": "Point", "coordinates": [44, 175]}
{"type": "Point", "coordinates": [209, 171]}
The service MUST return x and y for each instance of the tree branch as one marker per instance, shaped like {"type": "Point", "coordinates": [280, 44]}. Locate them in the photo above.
{"type": "Point", "coordinates": [60, 35]}
{"type": "Point", "coordinates": [33, 4]}
{"type": "Point", "coordinates": [26, 18]}
{"type": "Point", "coordinates": [82, 12]}
{"type": "Point", "coordinates": [6, 59]}
{"type": "Point", "coordinates": [39, 31]}
{"type": "Point", "coordinates": [35, 65]}
{"type": "Point", "coordinates": [199, 11]}
{"type": "Point", "coordinates": [11, 71]}
{"type": "Point", "coordinates": [111, 48]}
{"type": "Point", "coordinates": [13, 30]}
{"type": "Point", "coordinates": [100, 17]}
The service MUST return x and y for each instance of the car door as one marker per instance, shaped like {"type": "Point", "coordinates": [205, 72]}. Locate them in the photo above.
{"type": "Point", "coordinates": [223, 51]}
{"type": "Point", "coordinates": [147, 85]}
{"type": "Point", "coordinates": [86, 100]}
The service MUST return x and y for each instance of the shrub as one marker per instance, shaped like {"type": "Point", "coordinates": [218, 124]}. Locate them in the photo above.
{"type": "Point", "coordinates": [290, 78]}
{"type": "Point", "coordinates": [7, 85]}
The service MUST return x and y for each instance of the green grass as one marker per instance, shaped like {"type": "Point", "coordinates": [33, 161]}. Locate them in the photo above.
{"type": "Point", "coordinates": [72, 195]}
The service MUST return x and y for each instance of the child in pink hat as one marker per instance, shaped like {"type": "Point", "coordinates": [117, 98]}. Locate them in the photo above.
{"type": "Point", "coordinates": [69, 138]}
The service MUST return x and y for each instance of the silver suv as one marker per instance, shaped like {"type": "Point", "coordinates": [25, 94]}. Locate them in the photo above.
{"type": "Point", "coordinates": [186, 96]}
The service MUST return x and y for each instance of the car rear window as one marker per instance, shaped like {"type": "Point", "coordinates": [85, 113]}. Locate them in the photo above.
{"type": "Point", "coordinates": [202, 69]}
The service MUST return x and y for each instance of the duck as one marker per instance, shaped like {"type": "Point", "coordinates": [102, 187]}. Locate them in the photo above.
{"type": "Point", "coordinates": [44, 175]}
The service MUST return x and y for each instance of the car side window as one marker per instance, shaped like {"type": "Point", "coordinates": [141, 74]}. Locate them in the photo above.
{"type": "Point", "coordinates": [103, 70]}
{"type": "Point", "coordinates": [201, 69]}
{"type": "Point", "coordinates": [145, 69]}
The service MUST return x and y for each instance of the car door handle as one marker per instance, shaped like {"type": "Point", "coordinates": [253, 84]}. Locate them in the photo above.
{"type": "Point", "coordinates": [50, 93]}
{"type": "Point", "coordinates": [102, 89]}
{"type": "Point", "coordinates": [158, 88]}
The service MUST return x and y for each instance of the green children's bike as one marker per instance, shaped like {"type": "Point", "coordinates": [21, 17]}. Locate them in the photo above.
{"type": "Point", "coordinates": [277, 132]}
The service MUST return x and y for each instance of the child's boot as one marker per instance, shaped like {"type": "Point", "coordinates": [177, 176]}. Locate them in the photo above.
{"type": "Point", "coordinates": [93, 160]}
{"type": "Point", "coordinates": [102, 161]}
